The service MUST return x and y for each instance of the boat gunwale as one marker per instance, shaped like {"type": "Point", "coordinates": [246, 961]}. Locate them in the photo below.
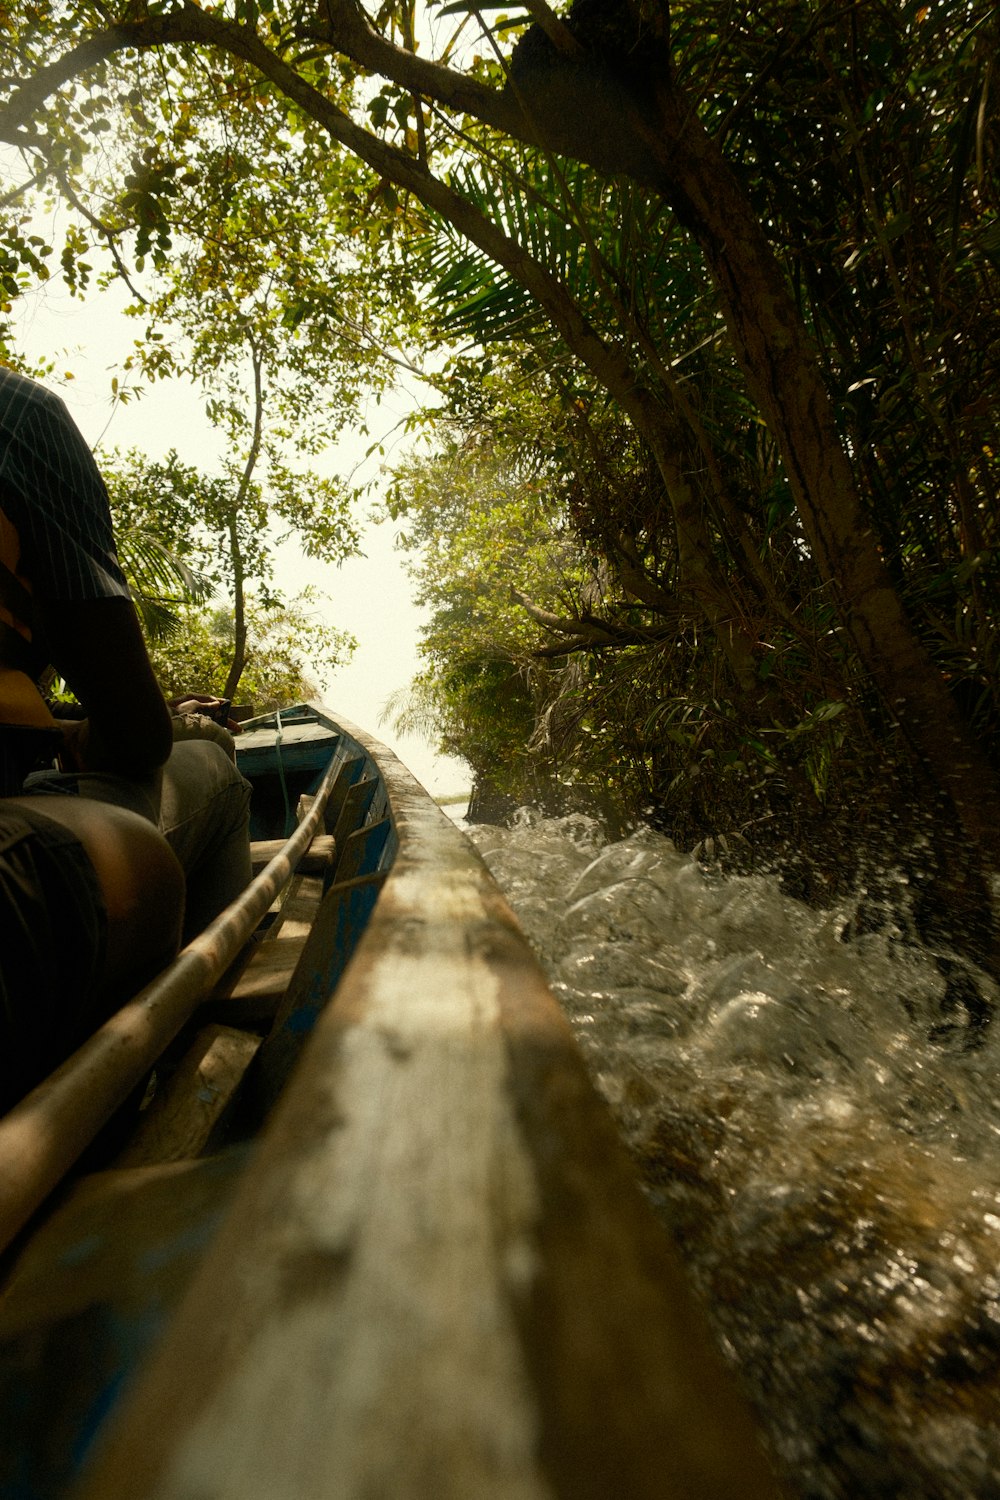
{"type": "Point", "coordinates": [671, 1420]}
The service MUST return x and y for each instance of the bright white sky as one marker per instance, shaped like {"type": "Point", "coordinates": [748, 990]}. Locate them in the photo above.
{"type": "Point", "coordinates": [369, 596]}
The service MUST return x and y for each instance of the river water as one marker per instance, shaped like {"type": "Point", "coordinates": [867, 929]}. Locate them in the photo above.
{"type": "Point", "coordinates": [824, 1152]}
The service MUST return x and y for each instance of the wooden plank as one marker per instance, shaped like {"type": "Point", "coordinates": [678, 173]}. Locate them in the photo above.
{"type": "Point", "coordinates": [179, 1122]}
{"type": "Point", "coordinates": [345, 912]}
{"type": "Point", "coordinates": [317, 858]}
{"type": "Point", "coordinates": [257, 974]}
{"type": "Point", "coordinates": [89, 1294]}
{"type": "Point", "coordinates": [307, 756]}
{"type": "Point", "coordinates": [441, 1280]}
{"type": "Point", "coordinates": [363, 850]}
{"type": "Point", "coordinates": [350, 771]}
{"type": "Point", "coordinates": [357, 800]}
{"type": "Point", "coordinates": [302, 747]}
{"type": "Point", "coordinates": [254, 994]}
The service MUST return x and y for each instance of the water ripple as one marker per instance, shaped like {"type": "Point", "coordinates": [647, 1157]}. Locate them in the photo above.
{"type": "Point", "coordinates": [830, 1172]}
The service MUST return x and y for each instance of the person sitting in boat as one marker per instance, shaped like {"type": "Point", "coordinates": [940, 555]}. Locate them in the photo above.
{"type": "Point", "coordinates": [133, 842]}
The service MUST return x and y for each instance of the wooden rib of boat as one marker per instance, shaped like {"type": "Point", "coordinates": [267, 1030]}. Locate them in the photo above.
{"type": "Point", "coordinates": [375, 1235]}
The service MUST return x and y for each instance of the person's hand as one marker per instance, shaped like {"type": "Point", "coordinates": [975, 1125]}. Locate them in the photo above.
{"type": "Point", "coordinates": [210, 707]}
{"type": "Point", "coordinates": [76, 739]}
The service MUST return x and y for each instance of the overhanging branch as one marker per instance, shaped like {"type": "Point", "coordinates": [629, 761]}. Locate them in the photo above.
{"type": "Point", "coordinates": [586, 633]}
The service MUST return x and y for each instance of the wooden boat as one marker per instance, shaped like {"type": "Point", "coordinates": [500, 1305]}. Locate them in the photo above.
{"type": "Point", "coordinates": [374, 1236]}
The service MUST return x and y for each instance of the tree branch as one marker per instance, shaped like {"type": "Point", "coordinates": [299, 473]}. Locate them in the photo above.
{"type": "Point", "coordinates": [29, 98]}
{"type": "Point", "coordinates": [585, 633]}
{"type": "Point", "coordinates": [554, 27]}
{"type": "Point", "coordinates": [106, 233]}
{"type": "Point", "coordinates": [588, 112]}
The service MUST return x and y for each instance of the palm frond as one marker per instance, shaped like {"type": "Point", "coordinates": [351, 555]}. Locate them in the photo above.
{"type": "Point", "coordinates": [161, 581]}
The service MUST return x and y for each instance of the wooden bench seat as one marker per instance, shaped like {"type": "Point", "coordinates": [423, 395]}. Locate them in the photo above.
{"type": "Point", "coordinates": [318, 858]}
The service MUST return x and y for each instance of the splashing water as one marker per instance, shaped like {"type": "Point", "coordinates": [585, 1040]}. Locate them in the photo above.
{"type": "Point", "coordinates": [831, 1175]}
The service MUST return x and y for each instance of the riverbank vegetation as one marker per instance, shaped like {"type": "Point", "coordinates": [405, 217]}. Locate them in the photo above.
{"type": "Point", "coordinates": [707, 518]}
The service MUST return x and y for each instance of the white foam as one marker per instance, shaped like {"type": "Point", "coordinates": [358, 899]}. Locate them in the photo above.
{"type": "Point", "coordinates": [832, 1171]}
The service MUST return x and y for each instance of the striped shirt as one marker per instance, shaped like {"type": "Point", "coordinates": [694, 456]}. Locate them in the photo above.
{"type": "Point", "coordinates": [55, 520]}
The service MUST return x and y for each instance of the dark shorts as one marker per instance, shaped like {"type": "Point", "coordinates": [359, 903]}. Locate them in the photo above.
{"type": "Point", "coordinates": [53, 937]}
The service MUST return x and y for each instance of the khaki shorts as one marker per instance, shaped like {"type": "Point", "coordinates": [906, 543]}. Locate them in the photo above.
{"type": "Point", "coordinates": [53, 937]}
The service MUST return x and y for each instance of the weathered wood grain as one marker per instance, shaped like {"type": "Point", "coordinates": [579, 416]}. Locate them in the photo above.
{"type": "Point", "coordinates": [179, 1122]}
{"type": "Point", "coordinates": [317, 858]}
{"type": "Point", "coordinates": [357, 801]}
{"type": "Point", "coordinates": [440, 1281]}
{"type": "Point", "coordinates": [253, 994]}
{"type": "Point", "coordinates": [350, 770]}
{"type": "Point", "coordinates": [362, 851]}
{"type": "Point", "coordinates": [346, 909]}
{"type": "Point", "coordinates": [87, 1298]}
{"type": "Point", "coordinates": [300, 745]}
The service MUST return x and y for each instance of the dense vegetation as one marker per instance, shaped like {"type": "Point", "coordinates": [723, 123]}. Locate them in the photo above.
{"type": "Point", "coordinates": [708, 516]}
{"type": "Point", "coordinates": [187, 539]}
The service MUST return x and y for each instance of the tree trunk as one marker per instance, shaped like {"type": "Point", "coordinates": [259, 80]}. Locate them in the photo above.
{"type": "Point", "coordinates": [235, 550]}
{"type": "Point", "coordinates": [239, 660]}
{"type": "Point", "coordinates": [596, 112]}
{"type": "Point", "coordinates": [784, 377]}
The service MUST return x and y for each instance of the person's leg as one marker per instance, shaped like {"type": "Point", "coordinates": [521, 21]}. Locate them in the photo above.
{"type": "Point", "coordinates": [205, 817]}
{"type": "Point", "coordinates": [201, 805]}
{"type": "Point", "coordinates": [90, 907]}
{"type": "Point", "coordinates": [140, 881]}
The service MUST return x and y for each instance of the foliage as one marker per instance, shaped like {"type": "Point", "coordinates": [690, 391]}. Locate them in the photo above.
{"type": "Point", "coordinates": [192, 518]}
{"type": "Point", "coordinates": [241, 286]}
{"type": "Point", "coordinates": [291, 652]}
{"type": "Point", "coordinates": [191, 512]}
{"type": "Point", "coordinates": [472, 525]}
{"type": "Point", "coordinates": [559, 674]}
{"type": "Point", "coordinates": [748, 258]}
{"type": "Point", "coordinates": [160, 579]}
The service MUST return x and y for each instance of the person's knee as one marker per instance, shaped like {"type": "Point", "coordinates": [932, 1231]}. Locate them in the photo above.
{"type": "Point", "coordinates": [140, 873]}
{"type": "Point", "coordinates": [143, 888]}
{"type": "Point", "coordinates": [204, 763]}
{"type": "Point", "coordinates": [204, 795]}
{"type": "Point", "coordinates": [140, 880]}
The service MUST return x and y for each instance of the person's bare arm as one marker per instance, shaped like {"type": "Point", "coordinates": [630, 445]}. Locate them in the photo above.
{"type": "Point", "coordinates": [97, 646]}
